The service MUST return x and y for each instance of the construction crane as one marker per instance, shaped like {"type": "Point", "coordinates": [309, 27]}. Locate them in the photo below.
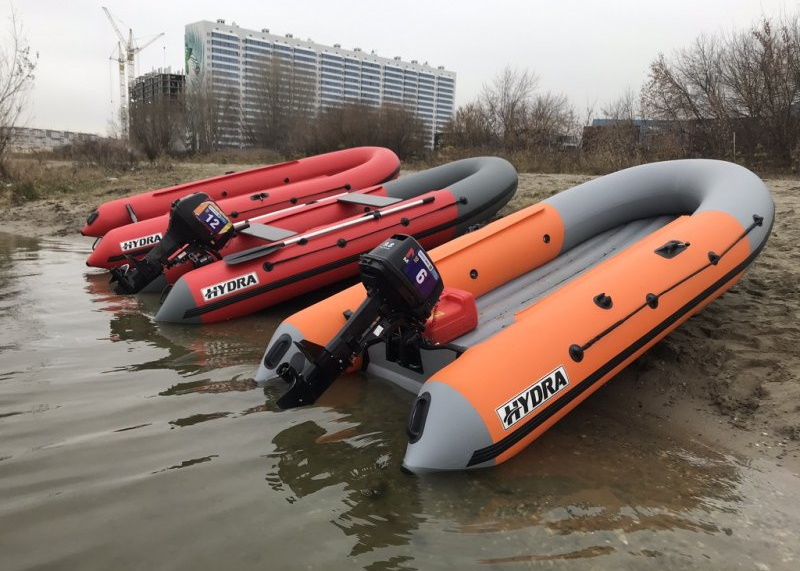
{"type": "Point", "coordinates": [126, 53]}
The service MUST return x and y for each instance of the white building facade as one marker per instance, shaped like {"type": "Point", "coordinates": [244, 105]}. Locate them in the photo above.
{"type": "Point", "coordinates": [231, 56]}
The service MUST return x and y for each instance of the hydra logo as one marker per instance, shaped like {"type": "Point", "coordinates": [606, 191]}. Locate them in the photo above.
{"type": "Point", "coordinates": [143, 242]}
{"type": "Point", "coordinates": [531, 398]}
{"type": "Point", "coordinates": [229, 286]}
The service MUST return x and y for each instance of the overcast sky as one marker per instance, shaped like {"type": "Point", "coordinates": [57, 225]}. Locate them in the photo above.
{"type": "Point", "coordinates": [590, 50]}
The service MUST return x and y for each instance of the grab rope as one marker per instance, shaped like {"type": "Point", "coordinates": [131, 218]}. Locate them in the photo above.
{"type": "Point", "coordinates": [576, 352]}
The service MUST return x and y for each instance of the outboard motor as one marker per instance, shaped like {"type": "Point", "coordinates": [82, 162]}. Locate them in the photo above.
{"type": "Point", "coordinates": [197, 231]}
{"type": "Point", "coordinates": [403, 286]}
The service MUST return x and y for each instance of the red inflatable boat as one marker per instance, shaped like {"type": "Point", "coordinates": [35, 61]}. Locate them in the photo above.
{"type": "Point", "coordinates": [246, 194]}
{"type": "Point", "coordinates": [293, 252]}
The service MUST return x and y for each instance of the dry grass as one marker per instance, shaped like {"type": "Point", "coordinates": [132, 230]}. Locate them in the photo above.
{"type": "Point", "coordinates": [35, 178]}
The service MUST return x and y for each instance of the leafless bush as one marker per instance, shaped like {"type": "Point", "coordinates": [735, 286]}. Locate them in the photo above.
{"type": "Point", "coordinates": [733, 96]}
{"type": "Point", "coordinates": [17, 66]}
{"type": "Point", "coordinates": [109, 154]}
{"type": "Point", "coordinates": [233, 156]}
{"type": "Point", "coordinates": [277, 102]}
{"type": "Point", "coordinates": [156, 127]}
{"type": "Point", "coordinates": [511, 119]}
{"type": "Point", "coordinates": [358, 124]}
{"type": "Point", "coordinates": [469, 128]}
{"type": "Point", "coordinates": [208, 113]}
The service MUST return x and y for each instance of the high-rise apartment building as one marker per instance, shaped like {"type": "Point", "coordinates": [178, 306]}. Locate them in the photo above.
{"type": "Point", "coordinates": [234, 60]}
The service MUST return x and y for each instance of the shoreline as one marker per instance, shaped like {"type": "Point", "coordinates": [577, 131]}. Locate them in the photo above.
{"type": "Point", "coordinates": [728, 377]}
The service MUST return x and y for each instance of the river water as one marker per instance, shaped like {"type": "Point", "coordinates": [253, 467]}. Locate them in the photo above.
{"type": "Point", "coordinates": [126, 444]}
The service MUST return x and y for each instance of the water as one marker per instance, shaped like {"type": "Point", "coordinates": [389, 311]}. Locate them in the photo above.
{"type": "Point", "coordinates": [130, 445]}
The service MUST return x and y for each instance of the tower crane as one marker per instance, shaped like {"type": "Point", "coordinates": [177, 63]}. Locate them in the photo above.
{"type": "Point", "coordinates": [126, 52]}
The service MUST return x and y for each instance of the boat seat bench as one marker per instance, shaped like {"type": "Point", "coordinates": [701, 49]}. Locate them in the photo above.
{"type": "Point", "coordinates": [267, 232]}
{"type": "Point", "coordinates": [369, 199]}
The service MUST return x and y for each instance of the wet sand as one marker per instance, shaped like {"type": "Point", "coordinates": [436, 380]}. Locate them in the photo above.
{"type": "Point", "coordinates": [728, 378]}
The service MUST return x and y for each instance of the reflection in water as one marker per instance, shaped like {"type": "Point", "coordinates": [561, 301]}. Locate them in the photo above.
{"type": "Point", "coordinates": [198, 418]}
{"type": "Point", "coordinates": [580, 554]}
{"type": "Point", "coordinates": [187, 463]}
{"type": "Point", "coordinates": [13, 249]}
{"type": "Point", "coordinates": [570, 483]}
{"type": "Point", "coordinates": [191, 349]}
{"type": "Point", "coordinates": [380, 506]}
{"type": "Point", "coordinates": [209, 387]}
{"type": "Point", "coordinates": [579, 485]}
{"type": "Point", "coordinates": [17, 247]}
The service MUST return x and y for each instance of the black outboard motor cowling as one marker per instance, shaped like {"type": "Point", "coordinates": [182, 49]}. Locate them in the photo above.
{"type": "Point", "coordinates": [403, 286]}
{"type": "Point", "coordinates": [197, 226]}
{"type": "Point", "coordinates": [401, 272]}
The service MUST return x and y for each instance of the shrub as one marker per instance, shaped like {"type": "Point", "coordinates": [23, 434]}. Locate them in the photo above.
{"type": "Point", "coordinates": [109, 154]}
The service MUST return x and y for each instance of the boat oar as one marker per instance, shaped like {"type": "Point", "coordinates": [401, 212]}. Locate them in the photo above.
{"type": "Point", "coordinates": [260, 251]}
{"type": "Point", "coordinates": [275, 234]}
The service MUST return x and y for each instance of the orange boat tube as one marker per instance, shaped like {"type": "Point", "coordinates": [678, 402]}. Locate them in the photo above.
{"type": "Point", "coordinates": [567, 292]}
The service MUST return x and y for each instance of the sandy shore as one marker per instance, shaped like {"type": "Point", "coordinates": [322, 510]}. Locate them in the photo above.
{"type": "Point", "coordinates": [729, 377]}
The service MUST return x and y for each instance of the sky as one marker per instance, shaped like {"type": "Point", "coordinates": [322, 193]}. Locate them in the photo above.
{"type": "Point", "coordinates": [590, 51]}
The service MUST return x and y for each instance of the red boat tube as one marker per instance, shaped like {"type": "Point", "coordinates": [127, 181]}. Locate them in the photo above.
{"type": "Point", "coordinates": [253, 191]}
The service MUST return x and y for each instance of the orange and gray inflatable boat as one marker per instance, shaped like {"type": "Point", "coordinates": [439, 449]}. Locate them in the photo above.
{"type": "Point", "coordinates": [541, 308]}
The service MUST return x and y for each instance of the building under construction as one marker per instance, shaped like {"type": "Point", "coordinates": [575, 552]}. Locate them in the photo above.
{"type": "Point", "coordinates": [158, 85]}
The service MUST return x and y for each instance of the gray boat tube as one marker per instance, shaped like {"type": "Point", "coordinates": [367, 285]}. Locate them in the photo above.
{"type": "Point", "coordinates": [482, 185]}
{"type": "Point", "coordinates": [688, 186]}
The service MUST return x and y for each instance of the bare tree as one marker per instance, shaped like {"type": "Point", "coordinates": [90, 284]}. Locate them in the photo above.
{"type": "Point", "coordinates": [506, 103]}
{"type": "Point", "coordinates": [209, 110]}
{"type": "Point", "coordinates": [551, 120]}
{"type": "Point", "coordinates": [156, 126]}
{"type": "Point", "coordinates": [745, 83]}
{"type": "Point", "coordinates": [510, 114]}
{"type": "Point", "coordinates": [690, 91]}
{"type": "Point", "coordinates": [470, 128]}
{"type": "Point", "coordinates": [278, 98]}
{"type": "Point", "coordinates": [763, 78]}
{"type": "Point", "coordinates": [357, 124]}
{"type": "Point", "coordinates": [17, 66]}
{"type": "Point", "coordinates": [624, 108]}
